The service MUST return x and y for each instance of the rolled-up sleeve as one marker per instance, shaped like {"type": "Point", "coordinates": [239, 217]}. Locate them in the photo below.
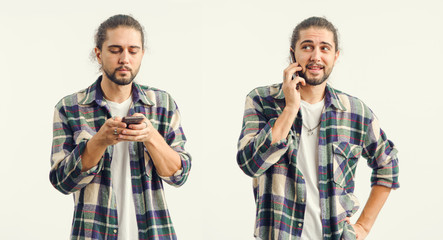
{"type": "Point", "coordinates": [176, 139]}
{"type": "Point", "coordinates": [255, 153]}
{"type": "Point", "coordinates": [66, 165]}
{"type": "Point", "coordinates": [381, 155]}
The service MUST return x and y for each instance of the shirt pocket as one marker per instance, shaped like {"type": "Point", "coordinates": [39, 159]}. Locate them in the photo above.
{"type": "Point", "coordinates": [345, 158]}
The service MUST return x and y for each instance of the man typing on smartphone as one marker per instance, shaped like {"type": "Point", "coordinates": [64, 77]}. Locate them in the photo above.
{"type": "Point", "coordinates": [115, 167]}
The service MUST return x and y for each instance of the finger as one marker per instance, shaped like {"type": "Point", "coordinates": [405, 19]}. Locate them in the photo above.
{"type": "Point", "coordinates": [117, 140]}
{"type": "Point", "coordinates": [138, 114]}
{"type": "Point", "coordinates": [116, 131]}
{"type": "Point", "coordinates": [133, 138]}
{"type": "Point", "coordinates": [298, 82]}
{"type": "Point", "coordinates": [115, 122]}
{"type": "Point", "coordinates": [293, 67]}
{"type": "Point", "coordinates": [118, 122]}
{"type": "Point", "coordinates": [113, 135]}
{"type": "Point", "coordinates": [114, 119]}
{"type": "Point", "coordinates": [302, 81]}
{"type": "Point", "coordinates": [117, 119]}
{"type": "Point", "coordinates": [140, 126]}
{"type": "Point", "coordinates": [292, 77]}
{"type": "Point", "coordinates": [138, 138]}
{"type": "Point", "coordinates": [289, 72]}
{"type": "Point", "coordinates": [132, 132]}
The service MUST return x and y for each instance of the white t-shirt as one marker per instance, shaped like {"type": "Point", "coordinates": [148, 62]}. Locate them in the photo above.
{"type": "Point", "coordinates": [121, 179]}
{"type": "Point", "coordinates": [307, 163]}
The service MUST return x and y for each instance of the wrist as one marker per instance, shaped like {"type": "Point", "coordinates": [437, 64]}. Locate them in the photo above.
{"type": "Point", "coordinates": [292, 108]}
{"type": "Point", "coordinates": [152, 140]}
{"type": "Point", "coordinates": [362, 225]}
{"type": "Point", "coordinates": [96, 144]}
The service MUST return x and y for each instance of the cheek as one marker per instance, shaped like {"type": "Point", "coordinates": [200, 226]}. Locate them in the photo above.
{"type": "Point", "coordinates": [301, 60]}
{"type": "Point", "coordinates": [330, 60]}
{"type": "Point", "coordinates": [136, 61]}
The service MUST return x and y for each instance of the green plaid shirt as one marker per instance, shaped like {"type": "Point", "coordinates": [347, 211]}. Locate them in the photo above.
{"type": "Point", "coordinates": [77, 118]}
{"type": "Point", "coordinates": [349, 130]}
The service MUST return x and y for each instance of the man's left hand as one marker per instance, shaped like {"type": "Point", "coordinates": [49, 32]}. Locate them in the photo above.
{"type": "Point", "coordinates": [141, 132]}
{"type": "Point", "coordinates": [360, 231]}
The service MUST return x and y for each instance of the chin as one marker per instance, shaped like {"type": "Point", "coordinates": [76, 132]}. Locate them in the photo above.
{"type": "Point", "coordinates": [315, 82]}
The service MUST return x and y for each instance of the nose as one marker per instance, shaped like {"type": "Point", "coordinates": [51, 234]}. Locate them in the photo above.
{"type": "Point", "coordinates": [124, 57]}
{"type": "Point", "coordinates": [316, 55]}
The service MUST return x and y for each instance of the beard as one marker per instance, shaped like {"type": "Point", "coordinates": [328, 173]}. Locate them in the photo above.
{"type": "Point", "coordinates": [120, 80]}
{"type": "Point", "coordinates": [315, 81]}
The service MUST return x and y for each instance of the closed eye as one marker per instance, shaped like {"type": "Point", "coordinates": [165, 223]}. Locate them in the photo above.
{"type": "Point", "coordinates": [115, 50]}
{"type": "Point", "coordinates": [134, 50]}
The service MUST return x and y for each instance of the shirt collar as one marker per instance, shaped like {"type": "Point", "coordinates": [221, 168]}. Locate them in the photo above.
{"type": "Point", "coordinates": [95, 93]}
{"type": "Point", "coordinates": [331, 97]}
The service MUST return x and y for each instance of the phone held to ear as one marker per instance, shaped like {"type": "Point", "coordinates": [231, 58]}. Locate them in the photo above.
{"type": "Point", "coordinates": [295, 74]}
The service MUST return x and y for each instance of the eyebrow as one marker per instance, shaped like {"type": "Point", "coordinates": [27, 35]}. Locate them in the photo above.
{"type": "Point", "coordinates": [118, 46]}
{"type": "Point", "coordinates": [310, 41]}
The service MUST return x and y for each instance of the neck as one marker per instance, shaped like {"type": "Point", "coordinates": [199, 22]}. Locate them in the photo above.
{"type": "Point", "coordinates": [114, 92]}
{"type": "Point", "coordinates": [313, 94]}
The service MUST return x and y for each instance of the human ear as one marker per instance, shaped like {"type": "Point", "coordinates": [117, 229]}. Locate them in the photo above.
{"type": "Point", "coordinates": [98, 55]}
{"type": "Point", "coordinates": [336, 56]}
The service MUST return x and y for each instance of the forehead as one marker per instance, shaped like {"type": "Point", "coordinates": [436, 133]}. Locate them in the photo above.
{"type": "Point", "coordinates": [316, 35]}
{"type": "Point", "coordinates": [123, 36]}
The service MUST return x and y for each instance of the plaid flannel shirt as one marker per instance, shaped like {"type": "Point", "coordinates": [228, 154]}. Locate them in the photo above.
{"type": "Point", "coordinates": [77, 118]}
{"type": "Point", "coordinates": [348, 130]}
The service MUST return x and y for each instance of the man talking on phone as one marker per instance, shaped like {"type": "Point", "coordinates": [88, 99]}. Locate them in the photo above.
{"type": "Point", "coordinates": [115, 167]}
{"type": "Point", "coordinates": [300, 142]}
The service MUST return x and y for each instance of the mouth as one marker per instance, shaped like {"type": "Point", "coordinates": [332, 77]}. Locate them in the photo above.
{"type": "Point", "coordinates": [123, 69]}
{"type": "Point", "coordinates": [315, 68]}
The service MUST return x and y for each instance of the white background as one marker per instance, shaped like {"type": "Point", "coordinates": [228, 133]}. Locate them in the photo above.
{"type": "Point", "coordinates": [209, 55]}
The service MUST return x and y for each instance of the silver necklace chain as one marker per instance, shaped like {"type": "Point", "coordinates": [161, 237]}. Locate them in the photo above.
{"type": "Point", "coordinates": [311, 130]}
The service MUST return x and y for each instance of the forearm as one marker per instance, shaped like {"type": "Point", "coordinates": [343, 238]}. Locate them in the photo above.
{"type": "Point", "coordinates": [284, 123]}
{"type": "Point", "coordinates": [376, 200]}
{"type": "Point", "coordinates": [166, 160]}
{"type": "Point", "coordinates": [256, 153]}
{"type": "Point", "coordinates": [66, 173]}
{"type": "Point", "coordinates": [92, 154]}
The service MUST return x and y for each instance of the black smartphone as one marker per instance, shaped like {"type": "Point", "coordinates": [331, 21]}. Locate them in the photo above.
{"type": "Point", "coordinates": [292, 55]}
{"type": "Point", "coordinates": [294, 61]}
{"type": "Point", "coordinates": [133, 120]}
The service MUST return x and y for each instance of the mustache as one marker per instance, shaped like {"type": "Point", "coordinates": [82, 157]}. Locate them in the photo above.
{"type": "Point", "coordinates": [315, 64]}
{"type": "Point", "coordinates": [123, 68]}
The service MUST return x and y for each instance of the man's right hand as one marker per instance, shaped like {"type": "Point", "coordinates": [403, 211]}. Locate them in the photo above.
{"type": "Point", "coordinates": [284, 122]}
{"type": "Point", "coordinates": [96, 146]}
{"type": "Point", "coordinates": [292, 94]}
{"type": "Point", "coordinates": [108, 133]}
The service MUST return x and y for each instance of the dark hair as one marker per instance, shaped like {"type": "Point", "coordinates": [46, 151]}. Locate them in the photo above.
{"type": "Point", "coordinates": [316, 22]}
{"type": "Point", "coordinates": [115, 22]}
